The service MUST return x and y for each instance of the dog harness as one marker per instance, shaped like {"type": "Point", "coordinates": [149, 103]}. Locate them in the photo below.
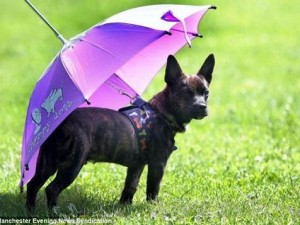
{"type": "Point", "coordinates": [141, 116]}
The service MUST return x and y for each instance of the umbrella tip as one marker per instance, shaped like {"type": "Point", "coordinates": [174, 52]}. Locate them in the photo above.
{"type": "Point", "coordinates": [198, 35]}
{"type": "Point", "coordinates": [21, 186]}
{"type": "Point", "coordinates": [62, 39]}
{"type": "Point", "coordinates": [87, 102]}
{"type": "Point", "coordinates": [213, 7]}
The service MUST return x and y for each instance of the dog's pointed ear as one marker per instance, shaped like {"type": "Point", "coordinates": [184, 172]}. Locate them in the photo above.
{"type": "Point", "coordinates": [173, 70]}
{"type": "Point", "coordinates": [207, 68]}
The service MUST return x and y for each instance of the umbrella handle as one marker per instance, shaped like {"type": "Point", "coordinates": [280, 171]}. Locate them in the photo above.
{"type": "Point", "coordinates": [58, 35]}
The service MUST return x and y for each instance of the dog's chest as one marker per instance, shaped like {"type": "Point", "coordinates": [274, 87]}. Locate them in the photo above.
{"type": "Point", "coordinates": [142, 119]}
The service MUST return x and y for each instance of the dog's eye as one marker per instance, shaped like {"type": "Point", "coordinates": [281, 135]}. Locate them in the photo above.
{"type": "Point", "coordinates": [188, 91]}
{"type": "Point", "coordinates": [206, 94]}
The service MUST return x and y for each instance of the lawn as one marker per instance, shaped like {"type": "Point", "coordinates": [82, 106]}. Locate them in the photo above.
{"type": "Point", "coordinates": [240, 165]}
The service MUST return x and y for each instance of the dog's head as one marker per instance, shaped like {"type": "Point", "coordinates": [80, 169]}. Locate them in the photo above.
{"type": "Point", "coordinates": [188, 94]}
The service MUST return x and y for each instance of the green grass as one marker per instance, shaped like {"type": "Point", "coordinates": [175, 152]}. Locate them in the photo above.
{"type": "Point", "coordinates": [240, 165]}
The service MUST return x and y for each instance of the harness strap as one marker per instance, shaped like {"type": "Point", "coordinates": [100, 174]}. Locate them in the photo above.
{"type": "Point", "coordinates": [141, 116]}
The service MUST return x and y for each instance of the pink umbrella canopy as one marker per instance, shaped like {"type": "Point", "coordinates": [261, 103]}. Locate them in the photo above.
{"type": "Point", "coordinates": [105, 66]}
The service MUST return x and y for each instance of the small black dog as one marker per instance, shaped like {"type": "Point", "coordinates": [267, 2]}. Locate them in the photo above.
{"type": "Point", "coordinates": [104, 135]}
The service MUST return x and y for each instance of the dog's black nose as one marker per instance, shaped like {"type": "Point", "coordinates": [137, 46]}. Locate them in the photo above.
{"type": "Point", "coordinates": [202, 106]}
{"type": "Point", "coordinates": [203, 109]}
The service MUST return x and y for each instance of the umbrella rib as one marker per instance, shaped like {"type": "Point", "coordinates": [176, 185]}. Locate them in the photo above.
{"type": "Point", "coordinates": [188, 32]}
{"type": "Point", "coordinates": [119, 89]}
{"type": "Point", "coordinates": [98, 47]}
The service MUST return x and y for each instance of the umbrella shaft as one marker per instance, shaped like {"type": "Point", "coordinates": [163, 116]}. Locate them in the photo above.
{"type": "Point", "coordinates": [47, 22]}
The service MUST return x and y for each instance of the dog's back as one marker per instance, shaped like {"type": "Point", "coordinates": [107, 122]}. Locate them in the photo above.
{"type": "Point", "coordinates": [91, 129]}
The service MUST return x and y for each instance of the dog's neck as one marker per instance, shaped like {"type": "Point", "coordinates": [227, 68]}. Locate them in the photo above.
{"type": "Point", "coordinates": [160, 103]}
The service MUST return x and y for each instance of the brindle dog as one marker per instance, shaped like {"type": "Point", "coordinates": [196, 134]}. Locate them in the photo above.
{"type": "Point", "coordinates": [104, 135]}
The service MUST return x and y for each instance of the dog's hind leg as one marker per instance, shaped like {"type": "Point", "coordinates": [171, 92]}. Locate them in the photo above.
{"type": "Point", "coordinates": [131, 182]}
{"type": "Point", "coordinates": [45, 168]}
{"type": "Point", "coordinates": [66, 174]}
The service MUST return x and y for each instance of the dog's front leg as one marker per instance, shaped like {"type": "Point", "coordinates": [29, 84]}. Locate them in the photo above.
{"type": "Point", "coordinates": [131, 182]}
{"type": "Point", "coordinates": [155, 174]}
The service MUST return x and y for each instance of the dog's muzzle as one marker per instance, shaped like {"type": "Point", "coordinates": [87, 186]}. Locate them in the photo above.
{"type": "Point", "coordinates": [200, 111]}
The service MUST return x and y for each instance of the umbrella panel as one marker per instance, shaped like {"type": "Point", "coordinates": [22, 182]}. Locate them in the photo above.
{"type": "Point", "coordinates": [98, 53]}
{"type": "Point", "coordinates": [114, 93]}
{"type": "Point", "coordinates": [53, 98]}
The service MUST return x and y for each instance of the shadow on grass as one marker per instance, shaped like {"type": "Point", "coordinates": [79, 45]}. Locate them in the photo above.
{"type": "Point", "coordinates": [12, 205]}
{"type": "Point", "coordinates": [72, 203]}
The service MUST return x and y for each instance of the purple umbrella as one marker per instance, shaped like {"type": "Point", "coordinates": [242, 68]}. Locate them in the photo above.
{"type": "Point", "coordinates": [105, 66]}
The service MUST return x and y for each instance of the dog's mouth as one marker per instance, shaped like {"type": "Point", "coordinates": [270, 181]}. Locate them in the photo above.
{"type": "Point", "coordinates": [200, 114]}
{"type": "Point", "coordinates": [200, 117]}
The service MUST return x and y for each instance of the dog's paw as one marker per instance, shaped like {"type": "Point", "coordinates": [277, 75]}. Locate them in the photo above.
{"type": "Point", "coordinates": [152, 200]}
{"type": "Point", "coordinates": [125, 199]}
